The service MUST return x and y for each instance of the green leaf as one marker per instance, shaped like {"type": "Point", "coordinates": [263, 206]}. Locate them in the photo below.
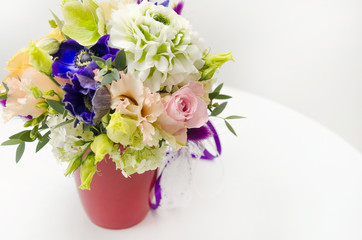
{"type": "Point", "coordinates": [34, 133]}
{"type": "Point", "coordinates": [26, 137]}
{"type": "Point", "coordinates": [65, 113]}
{"type": "Point", "coordinates": [43, 142]}
{"type": "Point", "coordinates": [115, 74]}
{"type": "Point", "coordinates": [219, 109]}
{"type": "Point", "coordinates": [234, 117]}
{"type": "Point", "coordinates": [109, 62]}
{"type": "Point", "coordinates": [50, 76]}
{"type": "Point", "coordinates": [53, 24]}
{"type": "Point", "coordinates": [64, 123]}
{"type": "Point", "coordinates": [4, 96]}
{"type": "Point", "coordinates": [108, 79]}
{"type": "Point", "coordinates": [20, 151]}
{"type": "Point", "coordinates": [213, 95]}
{"type": "Point", "coordinates": [86, 127]}
{"type": "Point", "coordinates": [5, 86]}
{"type": "Point", "coordinates": [99, 61]}
{"type": "Point", "coordinates": [11, 142]}
{"type": "Point", "coordinates": [231, 129]}
{"type": "Point", "coordinates": [57, 106]}
{"type": "Point", "coordinates": [43, 126]}
{"type": "Point", "coordinates": [218, 88]}
{"type": "Point", "coordinates": [18, 135]}
{"type": "Point", "coordinates": [59, 22]}
{"type": "Point", "coordinates": [120, 62]}
{"type": "Point", "coordinates": [103, 72]}
{"type": "Point", "coordinates": [222, 96]}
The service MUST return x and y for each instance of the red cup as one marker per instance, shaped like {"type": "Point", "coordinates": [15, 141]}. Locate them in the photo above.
{"type": "Point", "coordinates": [116, 202]}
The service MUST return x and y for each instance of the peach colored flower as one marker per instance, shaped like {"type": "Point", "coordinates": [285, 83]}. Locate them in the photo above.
{"type": "Point", "coordinates": [16, 65]}
{"type": "Point", "coordinates": [131, 98]}
{"type": "Point", "coordinates": [20, 101]}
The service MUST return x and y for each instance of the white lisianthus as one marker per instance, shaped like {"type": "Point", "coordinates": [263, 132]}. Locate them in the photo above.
{"type": "Point", "coordinates": [65, 139]}
{"type": "Point", "coordinates": [161, 47]}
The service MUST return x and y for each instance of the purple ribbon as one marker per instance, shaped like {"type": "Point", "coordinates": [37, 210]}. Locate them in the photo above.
{"type": "Point", "coordinates": [158, 195]}
{"type": "Point", "coordinates": [206, 156]}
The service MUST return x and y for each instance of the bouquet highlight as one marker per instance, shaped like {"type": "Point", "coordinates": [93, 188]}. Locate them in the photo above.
{"type": "Point", "coordinates": [128, 80]}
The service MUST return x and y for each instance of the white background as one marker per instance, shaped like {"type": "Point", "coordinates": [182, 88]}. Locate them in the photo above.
{"type": "Point", "coordinates": [304, 54]}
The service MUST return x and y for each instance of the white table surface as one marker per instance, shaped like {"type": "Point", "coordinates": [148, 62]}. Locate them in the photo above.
{"type": "Point", "coordinates": [285, 177]}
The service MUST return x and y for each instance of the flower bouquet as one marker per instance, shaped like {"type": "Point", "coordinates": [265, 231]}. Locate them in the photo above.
{"type": "Point", "coordinates": [117, 89]}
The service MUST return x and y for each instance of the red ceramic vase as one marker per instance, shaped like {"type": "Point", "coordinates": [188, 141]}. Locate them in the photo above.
{"type": "Point", "coordinates": [116, 202]}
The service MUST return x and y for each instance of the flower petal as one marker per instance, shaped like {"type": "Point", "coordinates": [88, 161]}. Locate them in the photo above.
{"type": "Point", "coordinates": [67, 51]}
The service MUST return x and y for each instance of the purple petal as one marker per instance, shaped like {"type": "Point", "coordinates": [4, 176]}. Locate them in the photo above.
{"type": "Point", "coordinates": [29, 117]}
{"type": "Point", "coordinates": [198, 134]}
{"type": "Point", "coordinates": [101, 104]}
{"type": "Point", "coordinates": [178, 8]}
{"type": "Point", "coordinates": [67, 51]}
{"type": "Point", "coordinates": [165, 3]}
{"type": "Point", "coordinates": [87, 82]}
{"type": "Point", "coordinates": [60, 69]}
{"type": "Point", "coordinates": [3, 102]}
{"type": "Point", "coordinates": [101, 48]}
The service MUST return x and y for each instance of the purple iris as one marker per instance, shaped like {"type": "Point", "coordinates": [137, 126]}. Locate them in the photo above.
{"type": "Point", "coordinates": [86, 99]}
{"type": "Point", "coordinates": [73, 57]}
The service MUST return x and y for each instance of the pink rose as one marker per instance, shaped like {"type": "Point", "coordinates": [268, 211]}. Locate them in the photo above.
{"type": "Point", "coordinates": [187, 106]}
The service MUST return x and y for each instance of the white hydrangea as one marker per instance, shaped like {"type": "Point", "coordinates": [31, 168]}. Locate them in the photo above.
{"type": "Point", "coordinates": [63, 138]}
{"type": "Point", "coordinates": [138, 161]}
{"type": "Point", "coordinates": [161, 47]}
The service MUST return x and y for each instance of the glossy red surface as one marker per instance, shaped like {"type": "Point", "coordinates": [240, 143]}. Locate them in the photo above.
{"type": "Point", "coordinates": [116, 202]}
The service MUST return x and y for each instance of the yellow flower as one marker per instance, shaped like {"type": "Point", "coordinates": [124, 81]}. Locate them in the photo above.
{"type": "Point", "coordinates": [122, 129]}
{"type": "Point", "coordinates": [56, 34]}
{"type": "Point", "coordinates": [101, 146]}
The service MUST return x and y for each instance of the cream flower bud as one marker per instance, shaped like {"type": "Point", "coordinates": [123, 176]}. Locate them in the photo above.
{"type": "Point", "coordinates": [48, 44]}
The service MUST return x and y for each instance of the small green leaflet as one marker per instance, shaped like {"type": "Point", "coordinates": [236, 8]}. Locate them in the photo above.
{"type": "Point", "coordinates": [58, 22]}
{"type": "Point", "coordinates": [99, 61]}
{"type": "Point", "coordinates": [23, 136]}
{"type": "Point", "coordinates": [218, 88]}
{"type": "Point", "coordinates": [53, 24]}
{"type": "Point", "coordinates": [11, 142]}
{"type": "Point", "coordinates": [108, 79]}
{"type": "Point", "coordinates": [64, 123]}
{"type": "Point", "coordinates": [222, 96]}
{"type": "Point", "coordinates": [43, 142]}
{"type": "Point", "coordinates": [5, 86]}
{"type": "Point", "coordinates": [219, 109]}
{"type": "Point", "coordinates": [234, 117]}
{"type": "Point", "coordinates": [120, 62]}
{"type": "Point", "coordinates": [57, 106]}
{"type": "Point", "coordinates": [231, 129]}
{"type": "Point", "coordinates": [18, 135]}
{"type": "Point", "coordinates": [115, 74]}
{"type": "Point", "coordinates": [20, 151]}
